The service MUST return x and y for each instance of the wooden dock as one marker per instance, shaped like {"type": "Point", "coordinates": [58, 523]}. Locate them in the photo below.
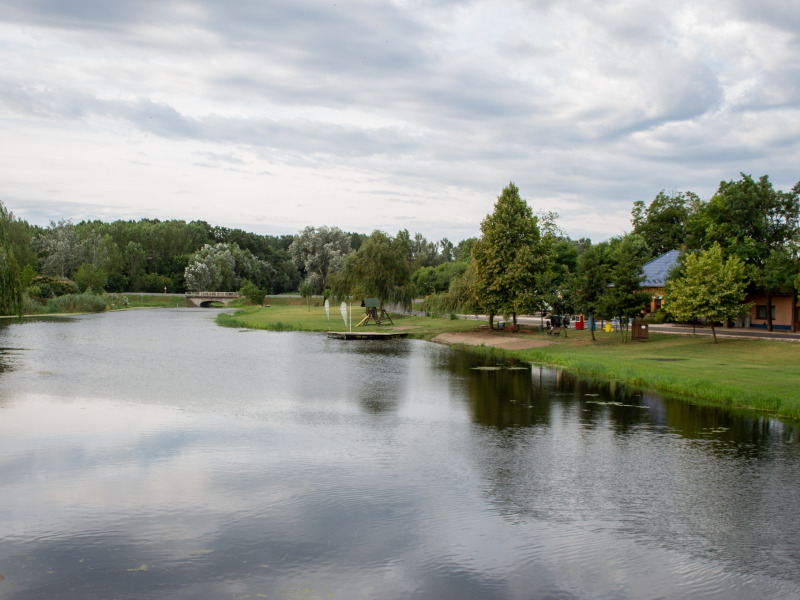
{"type": "Point", "coordinates": [367, 335]}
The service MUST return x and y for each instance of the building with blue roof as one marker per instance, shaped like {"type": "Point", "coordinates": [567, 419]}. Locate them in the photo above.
{"type": "Point", "coordinates": [782, 307]}
{"type": "Point", "coordinates": [656, 273]}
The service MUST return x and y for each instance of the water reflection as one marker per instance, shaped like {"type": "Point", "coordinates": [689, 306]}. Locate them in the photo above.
{"type": "Point", "coordinates": [154, 454]}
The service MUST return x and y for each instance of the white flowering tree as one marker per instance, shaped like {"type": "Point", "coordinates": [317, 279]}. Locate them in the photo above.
{"type": "Point", "coordinates": [320, 252]}
{"type": "Point", "coordinates": [223, 267]}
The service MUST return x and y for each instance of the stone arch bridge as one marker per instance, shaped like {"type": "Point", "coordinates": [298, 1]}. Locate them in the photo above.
{"type": "Point", "coordinates": [205, 299]}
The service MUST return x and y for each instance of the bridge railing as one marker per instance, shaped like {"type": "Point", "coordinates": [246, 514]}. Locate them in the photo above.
{"type": "Point", "coordinates": [212, 294]}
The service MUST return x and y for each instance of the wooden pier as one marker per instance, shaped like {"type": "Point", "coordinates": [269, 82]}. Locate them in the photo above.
{"type": "Point", "coordinates": [367, 335]}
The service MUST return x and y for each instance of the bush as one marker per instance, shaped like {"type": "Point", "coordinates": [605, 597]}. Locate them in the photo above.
{"type": "Point", "coordinates": [44, 286]}
{"type": "Point", "coordinates": [250, 291]}
{"type": "Point", "coordinates": [154, 283]}
{"type": "Point", "coordinates": [32, 306]}
{"type": "Point", "coordinates": [660, 316]}
{"type": "Point", "coordinates": [90, 279]}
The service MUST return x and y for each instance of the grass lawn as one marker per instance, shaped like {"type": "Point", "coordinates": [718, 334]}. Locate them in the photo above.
{"type": "Point", "coordinates": [738, 373]}
{"type": "Point", "coordinates": [764, 375]}
{"type": "Point", "coordinates": [294, 314]}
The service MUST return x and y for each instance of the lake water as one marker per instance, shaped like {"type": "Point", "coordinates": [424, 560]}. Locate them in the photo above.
{"type": "Point", "coordinates": [153, 454]}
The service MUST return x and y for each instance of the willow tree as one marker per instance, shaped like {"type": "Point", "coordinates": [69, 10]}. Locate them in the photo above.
{"type": "Point", "coordinates": [10, 280]}
{"type": "Point", "coordinates": [379, 269]}
{"type": "Point", "coordinates": [510, 258]}
{"type": "Point", "coordinates": [709, 287]}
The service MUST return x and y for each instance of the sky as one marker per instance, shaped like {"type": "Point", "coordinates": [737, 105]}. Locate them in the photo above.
{"type": "Point", "coordinates": [271, 116]}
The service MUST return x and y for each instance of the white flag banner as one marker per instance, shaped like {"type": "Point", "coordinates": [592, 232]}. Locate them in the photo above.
{"type": "Point", "coordinates": [343, 310]}
{"type": "Point", "coordinates": [328, 309]}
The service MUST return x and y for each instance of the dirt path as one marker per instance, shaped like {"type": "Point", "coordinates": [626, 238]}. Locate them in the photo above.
{"type": "Point", "coordinates": [507, 341]}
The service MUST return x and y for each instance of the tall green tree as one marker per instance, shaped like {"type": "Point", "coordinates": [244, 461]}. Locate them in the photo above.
{"type": "Point", "coordinates": [135, 263]}
{"type": "Point", "coordinates": [623, 298]}
{"type": "Point", "coordinates": [60, 249]}
{"type": "Point", "coordinates": [424, 253]}
{"type": "Point", "coordinates": [463, 250]}
{"type": "Point", "coordinates": [592, 281]}
{"type": "Point", "coordinates": [665, 222]}
{"type": "Point", "coordinates": [91, 274]}
{"type": "Point", "coordinates": [509, 258]}
{"type": "Point", "coordinates": [10, 279]}
{"type": "Point", "coordinates": [710, 287]}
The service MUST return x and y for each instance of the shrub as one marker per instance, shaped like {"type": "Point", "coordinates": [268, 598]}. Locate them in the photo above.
{"type": "Point", "coordinates": [660, 316]}
{"type": "Point", "coordinates": [250, 291]}
{"type": "Point", "coordinates": [44, 286]}
{"type": "Point", "coordinates": [154, 283]}
{"type": "Point", "coordinates": [76, 303]}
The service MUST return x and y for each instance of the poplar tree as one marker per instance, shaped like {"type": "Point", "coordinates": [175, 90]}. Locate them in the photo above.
{"type": "Point", "coordinates": [592, 280]}
{"type": "Point", "coordinates": [708, 287]}
{"type": "Point", "coordinates": [509, 258]}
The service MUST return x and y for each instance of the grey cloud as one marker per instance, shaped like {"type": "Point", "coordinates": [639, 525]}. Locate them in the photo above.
{"type": "Point", "coordinates": [301, 136]}
{"type": "Point", "coordinates": [776, 13]}
{"type": "Point", "coordinates": [84, 15]}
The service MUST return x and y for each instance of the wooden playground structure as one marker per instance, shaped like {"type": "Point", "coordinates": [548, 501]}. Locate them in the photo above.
{"type": "Point", "coordinates": [375, 312]}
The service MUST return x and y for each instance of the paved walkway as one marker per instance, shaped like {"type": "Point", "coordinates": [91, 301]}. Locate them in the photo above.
{"type": "Point", "coordinates": [677, 329]}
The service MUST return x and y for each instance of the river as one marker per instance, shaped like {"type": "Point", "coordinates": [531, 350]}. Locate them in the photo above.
{"type": "Point", "coordinates": [153, 454]}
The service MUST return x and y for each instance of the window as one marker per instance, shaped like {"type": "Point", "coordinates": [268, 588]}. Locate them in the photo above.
{"type": "Point", "coordinates": [761, 311]}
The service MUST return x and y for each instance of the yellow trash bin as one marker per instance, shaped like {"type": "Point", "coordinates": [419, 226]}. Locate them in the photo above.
{"type": "Point", "coordinates": [608, 328]}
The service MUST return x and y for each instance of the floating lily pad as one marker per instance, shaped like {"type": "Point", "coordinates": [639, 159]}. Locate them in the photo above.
{"type": "Point", "coordinates": [142, 567]}
{"type": "Point", "coordinates": [614, 403]}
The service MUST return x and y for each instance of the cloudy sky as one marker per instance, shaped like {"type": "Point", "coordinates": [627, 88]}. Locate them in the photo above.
{"type": "Point", "coordinates": [389, 114]}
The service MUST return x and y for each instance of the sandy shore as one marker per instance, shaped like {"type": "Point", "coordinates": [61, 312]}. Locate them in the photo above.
{"type": "Point", "coordinates": [493, 339]}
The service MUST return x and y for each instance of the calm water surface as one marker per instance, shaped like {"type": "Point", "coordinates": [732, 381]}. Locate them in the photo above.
{"type": "Point", "coordinates": [152, 454]}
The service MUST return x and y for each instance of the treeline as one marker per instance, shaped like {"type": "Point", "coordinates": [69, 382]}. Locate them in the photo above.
{"type": "Point", "coordinates": [747, 236]}
{"type": "Point", "coordinates": [520, 264]}
{"type": "Point", "coordinates": [174, 256]}
{"type": "Point", "coordinates": [138, 256]}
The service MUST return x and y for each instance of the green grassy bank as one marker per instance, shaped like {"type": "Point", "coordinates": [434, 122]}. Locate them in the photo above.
{"type": "Point", "coordinates": [752, 374]}
{"type": "Point", "coordinates": [755, 374]}
{"type": "Point", "coordinates": [296, 314]}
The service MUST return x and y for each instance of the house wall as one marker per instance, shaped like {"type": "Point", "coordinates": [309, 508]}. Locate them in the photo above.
{"type": "Point", "coordinates": [783, 311]}
{"type": "Point", "coordinates": [656, 297]}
